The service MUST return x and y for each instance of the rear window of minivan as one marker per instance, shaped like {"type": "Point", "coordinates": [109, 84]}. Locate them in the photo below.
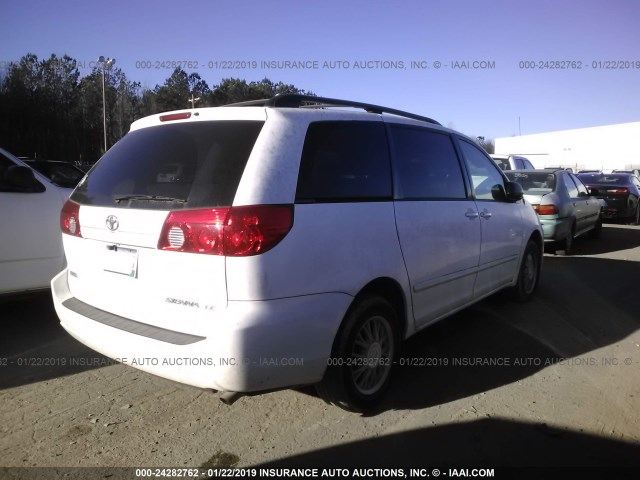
{"type": "Point", "coordinates": [186, 165]}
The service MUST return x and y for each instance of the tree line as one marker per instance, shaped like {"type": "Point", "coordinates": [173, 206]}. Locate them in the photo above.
{"type": "Point", "coordinates": [48, 111]}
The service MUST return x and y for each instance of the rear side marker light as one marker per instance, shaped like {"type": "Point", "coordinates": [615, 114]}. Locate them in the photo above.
{"type": "Point", "coordinates": [545, 209]}
{"type": "Point", "coordinates": [175, 116]}
{"type": "Point", "coordinates": [230, 231]}
{"type": "Point", "coordinates": [70, 219]}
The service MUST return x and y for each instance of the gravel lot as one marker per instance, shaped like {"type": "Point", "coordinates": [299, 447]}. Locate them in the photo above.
{"type": "Point", "coordinates": [552, 382]}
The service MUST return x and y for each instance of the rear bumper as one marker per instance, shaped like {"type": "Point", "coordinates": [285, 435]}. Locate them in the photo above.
{"type": "Point", "coordinates": [555, 229]}
{"type": "Point", "coordinates": [614, 211]}
{"type": "Point", "coordinates": [251, 346]}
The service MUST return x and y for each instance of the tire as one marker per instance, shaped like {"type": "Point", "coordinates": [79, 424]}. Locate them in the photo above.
{"type": "Point", "coordinates": [597, 229]}
{"type": "Point", "coordinates": [362, 357]}
{"type": "Point", "coordinates": [635, 220]}
{"type": "Point", "coordinates": [529, 274]}
{"type": "Point", "coordinates": [565, 246]}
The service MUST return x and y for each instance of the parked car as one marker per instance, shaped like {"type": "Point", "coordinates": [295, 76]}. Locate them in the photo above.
{"type": "Point", "coordinates": [62, 174]}
{"type": "Point", "coordinates": [563, 203]}
{"type": "Point", "coordinates": [31, 253]}
{"type": "Point", "coordinates": [621, 191]}
{"type": "Point", "coordinates": [634, 172]}
{"type": "Point", "coordinates": [512, 162]}
{"type": "Point", "coordinates": [297, 246]}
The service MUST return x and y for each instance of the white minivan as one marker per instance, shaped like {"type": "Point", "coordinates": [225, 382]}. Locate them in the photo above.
{"type": "Point", "coordinates": [303, 240]}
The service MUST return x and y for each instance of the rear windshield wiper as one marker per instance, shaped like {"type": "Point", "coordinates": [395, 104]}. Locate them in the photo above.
{"type": "Point", "coordinates": [151, 198]}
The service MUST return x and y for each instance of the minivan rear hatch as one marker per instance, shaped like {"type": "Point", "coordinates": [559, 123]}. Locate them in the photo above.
{"type": "Point", "coordinates": [115, 263]}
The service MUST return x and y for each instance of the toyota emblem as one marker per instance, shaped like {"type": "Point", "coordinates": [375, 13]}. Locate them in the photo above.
{"type": "Point", "coordinates": [112, 223]}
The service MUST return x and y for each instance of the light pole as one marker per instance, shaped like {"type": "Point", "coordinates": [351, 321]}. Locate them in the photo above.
{"type": "Point", "coordinates": [193, 100]}
{"type": "Point", "coordinates": [107, 63]}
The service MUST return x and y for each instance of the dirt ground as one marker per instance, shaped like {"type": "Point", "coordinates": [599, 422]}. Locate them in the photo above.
{"type": "Point", "coordinates": [552, 382]}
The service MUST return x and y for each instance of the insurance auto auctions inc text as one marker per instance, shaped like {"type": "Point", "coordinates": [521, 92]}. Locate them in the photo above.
{"type": "Point", "coordinates": [369, 472]}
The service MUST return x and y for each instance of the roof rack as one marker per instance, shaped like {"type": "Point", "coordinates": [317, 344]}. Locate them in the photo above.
{"type": "Point", "coordinates": [290, 100]}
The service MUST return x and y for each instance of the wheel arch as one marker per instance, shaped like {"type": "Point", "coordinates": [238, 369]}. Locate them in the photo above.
{"type": "Point", "coordinates": [390, 290]}
{"type": "Point", "coordinates": [538, 239]}
{"type": "Point", "coordinates": [340, 385]}
{"type": "Point", "coordinates": [536, 236]}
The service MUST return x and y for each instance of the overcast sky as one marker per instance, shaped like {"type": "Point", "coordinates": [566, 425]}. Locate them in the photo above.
{"type": "Point", "coordinates": [383, 38]}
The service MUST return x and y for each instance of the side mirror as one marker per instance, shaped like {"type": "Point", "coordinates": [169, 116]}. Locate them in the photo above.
{"type": "Point", "coordinates": [513, 191]}
{"type": "Point", "coordinates": [583, 194]}
{"type": "Point", "coordinates": [498, 192]}
{"type": "Point", "coordinates": [22, 179]}
{"type": "Point", "coordinates": [594, 192]}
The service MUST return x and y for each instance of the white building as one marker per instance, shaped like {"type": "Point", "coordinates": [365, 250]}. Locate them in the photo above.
{"type": "Point", "coordinates": [604, 148]}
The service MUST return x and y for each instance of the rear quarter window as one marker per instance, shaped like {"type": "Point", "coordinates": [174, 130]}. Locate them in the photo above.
{"type": "Point", "coordinates": [344, 161]}
{"type": "Point", "coordinates": [197, 164]}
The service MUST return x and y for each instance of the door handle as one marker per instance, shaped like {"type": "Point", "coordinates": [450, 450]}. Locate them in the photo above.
{"type": "Point", "coordinates": [471, 214]}
{"type": "Point", "coordinates": [486, 214]}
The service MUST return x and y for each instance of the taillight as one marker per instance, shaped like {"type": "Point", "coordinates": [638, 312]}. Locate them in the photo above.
{"type": "Point", "coordinates": [70, 219]}
{"type": "Point", "coordinates": [618, 191]}
{"type": "Point", "coordinates": [545, 209]}
{"type": "Point", "coordinates": [231, 231]}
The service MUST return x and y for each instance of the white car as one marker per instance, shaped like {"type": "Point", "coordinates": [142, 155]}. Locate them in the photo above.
{"type": "Point", "coordinates": [31, 253]}
{"type": "Point", "coordinates": [301, 243]}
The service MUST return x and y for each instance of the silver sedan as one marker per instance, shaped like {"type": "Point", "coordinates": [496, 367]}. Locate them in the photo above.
{"type": "Point", "coordinates": [565, 207]}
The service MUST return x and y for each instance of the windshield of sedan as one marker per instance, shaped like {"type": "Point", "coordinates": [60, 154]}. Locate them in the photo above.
{"type": "Point", "coordinates": [533, 182]}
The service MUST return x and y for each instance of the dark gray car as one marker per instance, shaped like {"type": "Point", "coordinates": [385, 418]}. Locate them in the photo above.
{"type": "Point", "coordinates": [621, 191]}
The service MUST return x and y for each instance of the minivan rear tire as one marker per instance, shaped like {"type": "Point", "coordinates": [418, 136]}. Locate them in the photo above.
{"type": "Point", "coordinates": [364, 351]}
